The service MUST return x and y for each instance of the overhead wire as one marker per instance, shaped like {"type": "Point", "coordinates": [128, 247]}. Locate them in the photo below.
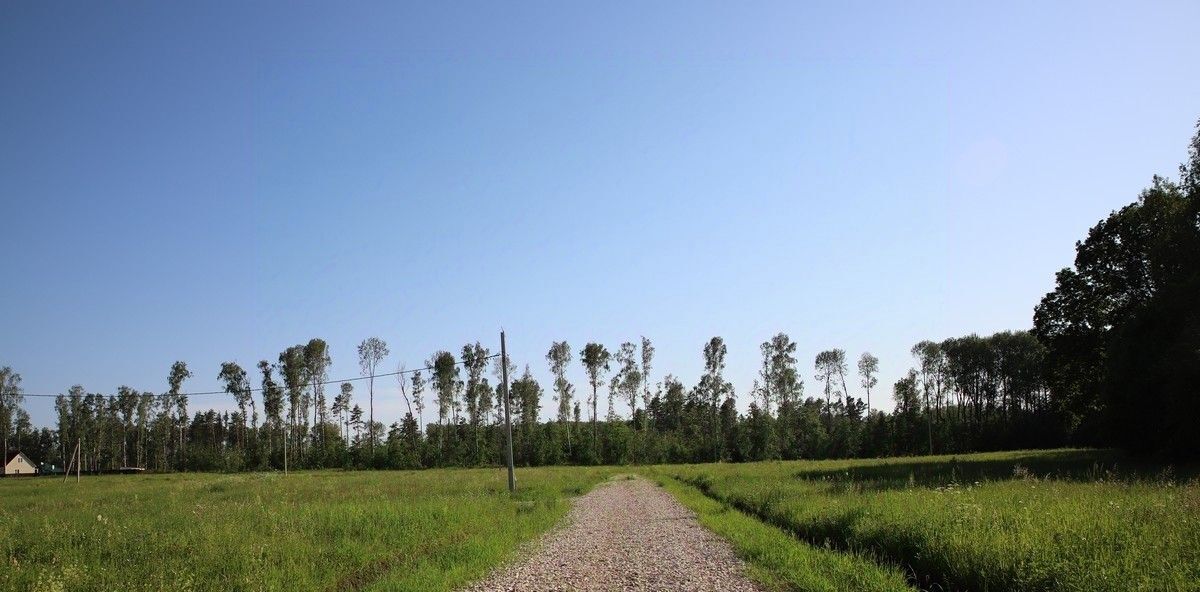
{"type": "Point", "coordinates": [260, 389]}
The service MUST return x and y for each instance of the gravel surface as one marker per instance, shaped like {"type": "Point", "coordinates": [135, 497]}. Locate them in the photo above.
{"type": "Point", "coordinates": [626, 534]}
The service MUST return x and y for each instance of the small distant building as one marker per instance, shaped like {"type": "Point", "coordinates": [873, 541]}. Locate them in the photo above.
{"type": "Point", "coordinates": [16, 463]}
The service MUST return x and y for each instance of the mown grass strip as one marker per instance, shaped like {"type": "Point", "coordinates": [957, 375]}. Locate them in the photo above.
{"type": "Point", "coordinates": [778, 560]}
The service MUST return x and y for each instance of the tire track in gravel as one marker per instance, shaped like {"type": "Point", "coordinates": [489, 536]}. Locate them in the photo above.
{"type": "Point", "coordinates": [626, 534]}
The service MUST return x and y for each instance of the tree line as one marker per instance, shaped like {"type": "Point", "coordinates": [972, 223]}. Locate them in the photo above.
{"type": "Point", "coordinates": [1113, 358]}
{"type": "Point", "coordinates": [1122, 325]}
{"type": "Point", "coordinates": [968, 393]}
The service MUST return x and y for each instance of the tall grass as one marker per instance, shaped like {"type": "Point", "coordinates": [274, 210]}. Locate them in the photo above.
{"type": "Point", "coordinates": [426, 530]}
{"type": "Point", "coordinates": [1054, 520]}
{"type": "Point", "coordinates": [779, 561]}
{"type": "Point", "coordinates": [984, 522]}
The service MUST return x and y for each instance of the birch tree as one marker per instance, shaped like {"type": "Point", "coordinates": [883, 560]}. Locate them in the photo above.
{"type": "Point", "coordinates": [627, 381]}
{"type": "Point", "coordinates": [401, 371]}
{"type": "Point", "coordinates": [559, 358]}
{"type": "Point", "coordinates": [780, 381]}
{"type": "Point", "coordinates": [272, 399]}
{"type": "Point", "coordinates": [418, 394]}
{"type": "Point", "coordinates": [595, 359]}
{"type": "Point", "coordinates": [868, 366]}
{"type": "Point", "coordinates": [179, 373]}
{"type": "Point", "coordinates": [371, 351]}
{"type": "Point", "coordinates": [343, 410]}
{"type": "Point", "coordinates": [237, 384]}
{"type": "Point", "coordinates": [127, 400]}
{"type": "Point", "coordinates": [714, 389]}
{"type": "Point", "coordinates": [647, 360]}
{"type": "Point", "coordinates": [10, 399]}
{"type": "Point", "coordinates": [445, 379]}
{"type": "Point", "coordinates": [830, 365]}
{"type": "Point", "coordinates": [316, 364]}
{"type": "Point", "coordinates": [295, 375]}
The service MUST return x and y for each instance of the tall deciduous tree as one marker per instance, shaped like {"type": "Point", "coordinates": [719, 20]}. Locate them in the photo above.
{"type": "Point", "coordinates": [317, 361]}
{"type": "Point", "coordinates": [295, 375]}
{"type": "Point", "coordinates": [237, 384]}
{"type": "Point", "coordinates": [343, 409]}
{"type": "Point", "coordinates": [868, 366]}
{"type": "Point", "coordinates": [780, 381]}
{"type": "Point", "coordinates": [179, 373]}
{"type": "Point", "coordinates": [647, 361]}
{"type": "Point", "coordinates": [272, 400]}
{"type": "Point", "coordinates": [932, 360]}
{"type": "Point", "coordinates": [10, 400]}
{"type": "Point", "coordinates": [402, 382]}
{"type": "Point", "coordinates": [371, 351]}
{"type": "Point", "coordinates": [714, 390]}
{"type": "Point", "coordinates": [627, 381]}
{"type": "Point", "coordinates": [127, 399]}
{"type": "Point", "coordinates": [829, 366]}
{"type": "Point", "coordinates": [527, 393]}
{"type": "Point", "coordinates": [559, 358]}
{"type": "Point", "coordinates": [445, 380]}
{"type": "Point", "coordinates": [1122, 328]}
{"type": "Point", "coordinates": [418, 395]}
{"type": "Point", "coordinates": [145, 406]}
{"type": "Point", "coordinates": [477, 392]}
{"type": "Point", "coordinates": [595, 358]}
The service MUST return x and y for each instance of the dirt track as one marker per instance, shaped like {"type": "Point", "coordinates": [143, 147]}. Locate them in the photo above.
{"type": "Point", "coordinates": [627, 534]}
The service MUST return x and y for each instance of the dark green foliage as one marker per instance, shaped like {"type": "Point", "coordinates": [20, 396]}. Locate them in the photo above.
{"type": "Point", "coordinates": [595, 359]}
{"type": "Point", "coordinates": [1122, 327]}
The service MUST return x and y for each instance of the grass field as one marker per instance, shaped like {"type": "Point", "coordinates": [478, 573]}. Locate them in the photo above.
{"type": "Point", "coordinates": [778, 560]}
{"type": "Point", "coordinates": [425, 530]}
{"type": "Point", "coordinates": [1051, 520]}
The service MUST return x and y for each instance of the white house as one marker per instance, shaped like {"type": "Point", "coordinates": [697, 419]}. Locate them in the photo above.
{"type": "Point", "coordinates": [16, 463]}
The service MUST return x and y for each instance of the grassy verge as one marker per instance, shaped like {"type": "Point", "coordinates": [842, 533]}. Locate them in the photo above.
{"type": "Point", "coordinates": [1020, 532]}
{"type": "Point", "coordinates": [426, 530]}
{"type": "Point", "coordinates": [777, 559]}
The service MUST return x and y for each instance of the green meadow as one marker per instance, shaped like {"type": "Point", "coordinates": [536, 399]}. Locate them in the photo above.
{"type": "Point", "coordinates": [1048, 520]}
{"type": "Point", "coordinates": [323, 530]}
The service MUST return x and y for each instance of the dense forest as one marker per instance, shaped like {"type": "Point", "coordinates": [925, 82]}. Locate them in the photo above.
{"type": "Point", "coordinates": [1113, 358]}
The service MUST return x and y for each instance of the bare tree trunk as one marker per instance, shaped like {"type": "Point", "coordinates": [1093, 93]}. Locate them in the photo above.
{"type": "Point", "coordinates": [595, 426]}
{"type": "Point", "coordinates": [371, 413]}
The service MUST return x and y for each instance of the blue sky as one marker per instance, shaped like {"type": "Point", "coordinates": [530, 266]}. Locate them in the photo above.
{"type": "Point", "coordinates": [218, 181]}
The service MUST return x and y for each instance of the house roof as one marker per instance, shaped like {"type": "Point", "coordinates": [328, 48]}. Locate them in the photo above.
{"type": "Point", "coordinates": [13, 454]}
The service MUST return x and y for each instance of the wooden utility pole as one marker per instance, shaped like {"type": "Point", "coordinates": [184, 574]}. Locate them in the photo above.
{"type": "Point", "coordinates": [75, 462]}
{"type": "Point", "coordinates": [7, 422]}
{"type": "Point", "coordinates": [70, 465]}
{"type": "Point", "coordinates": [512, 480]}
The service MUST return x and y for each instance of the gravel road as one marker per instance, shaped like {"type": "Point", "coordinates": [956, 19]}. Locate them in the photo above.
{"type": "Point", "coordinates": [626, 534]}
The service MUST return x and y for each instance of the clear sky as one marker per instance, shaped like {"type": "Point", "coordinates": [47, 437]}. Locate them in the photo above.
{"type": "Point", "coordinates": [218, 181]}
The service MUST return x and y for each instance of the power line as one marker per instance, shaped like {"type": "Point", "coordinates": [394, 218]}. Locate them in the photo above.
{"type": "Point", "coordinates": [260, 389]}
